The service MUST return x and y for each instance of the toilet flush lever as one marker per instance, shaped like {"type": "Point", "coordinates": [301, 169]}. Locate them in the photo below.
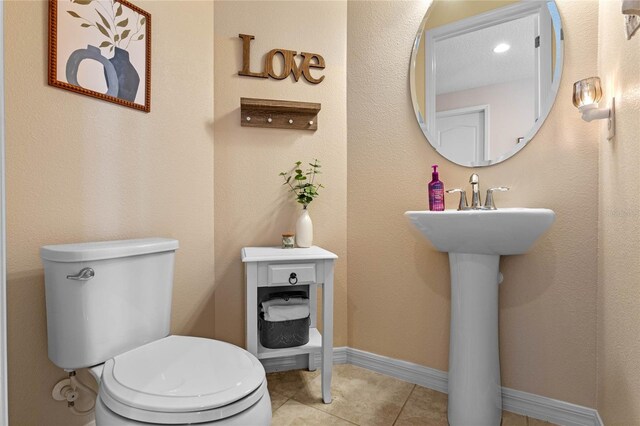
{"type": "Point", "coordinates": [85, 274]}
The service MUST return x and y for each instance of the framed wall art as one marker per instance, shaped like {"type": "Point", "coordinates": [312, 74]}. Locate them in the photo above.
{"type": "Point", "coordinates": [101, 48]}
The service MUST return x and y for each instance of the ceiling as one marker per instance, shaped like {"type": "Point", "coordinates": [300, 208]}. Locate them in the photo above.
{"type": "Point", "coordinates": [467, 61]}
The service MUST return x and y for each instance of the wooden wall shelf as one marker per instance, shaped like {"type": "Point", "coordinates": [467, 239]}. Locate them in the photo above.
{"type": "Point", "coordinates": [279, 114]}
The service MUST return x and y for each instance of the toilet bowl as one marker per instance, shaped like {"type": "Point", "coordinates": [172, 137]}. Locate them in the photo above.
{"type": "Point", "coordinates": [182, 380]}
{"type": "Point", "coordinates": [109, 310]}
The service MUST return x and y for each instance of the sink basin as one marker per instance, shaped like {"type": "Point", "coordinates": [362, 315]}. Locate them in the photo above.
{"type": "Point", "coordinates": [497, 232]}
{"type": "Point", "coordinates": [475, 240]}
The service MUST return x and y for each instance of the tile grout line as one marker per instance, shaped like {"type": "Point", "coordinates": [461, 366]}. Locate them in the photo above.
{"type": "Point", "coordinates": [404, 405]}
{"type": "Point", "coordinates": [397, 417]}
{"type": "Point", "coordinates": [323, 411]}
{"type": "Point", "coordinates": [326, 412]}
{"type": "Point", "coordinates": [274, 411]}
{"type": "Point", "coordinates": [292, 398]}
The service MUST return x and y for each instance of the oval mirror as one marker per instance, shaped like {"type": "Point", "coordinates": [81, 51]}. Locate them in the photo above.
{"type": "Point", "coordinates": [484, 75]}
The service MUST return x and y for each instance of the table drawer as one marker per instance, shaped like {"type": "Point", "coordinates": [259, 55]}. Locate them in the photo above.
{"type": "Point", "coordinates": [291, 274]}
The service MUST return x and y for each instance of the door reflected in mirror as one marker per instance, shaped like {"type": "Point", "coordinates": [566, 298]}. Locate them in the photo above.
{"type": "Point", "coordinates": [484, 75]}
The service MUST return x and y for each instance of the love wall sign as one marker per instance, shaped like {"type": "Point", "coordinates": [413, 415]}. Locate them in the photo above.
{"type": "Point", "coordinates": [309, 61]}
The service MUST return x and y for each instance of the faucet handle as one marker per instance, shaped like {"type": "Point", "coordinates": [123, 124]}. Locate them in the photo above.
{"type": "Point", "coordinates": [462, 205]}
{"type": "Point", "coordinates": [488, 202]}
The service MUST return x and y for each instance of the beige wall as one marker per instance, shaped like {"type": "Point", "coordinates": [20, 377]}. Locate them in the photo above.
{"type": "Point", "coordinates": [398, 285]}
{"type": "Point", "coordinates": [80, 169]}
{"type": "Point", "coordinates": [619, 237]}
{"type": "Point", "coordinates": [252, 206]}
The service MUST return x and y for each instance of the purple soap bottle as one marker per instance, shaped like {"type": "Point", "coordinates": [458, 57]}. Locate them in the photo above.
{"type": "Point", "coordinates": [436, 192]}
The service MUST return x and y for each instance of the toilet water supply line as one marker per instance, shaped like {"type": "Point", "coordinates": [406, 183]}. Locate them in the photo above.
{"type": "Point", "coordinates": [75, 384]}
{"type": "Point", "coordinates": [70, 392]}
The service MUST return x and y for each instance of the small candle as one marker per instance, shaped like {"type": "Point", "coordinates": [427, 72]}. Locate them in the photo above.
{"type": "Point", "coordinates": [288, 240]}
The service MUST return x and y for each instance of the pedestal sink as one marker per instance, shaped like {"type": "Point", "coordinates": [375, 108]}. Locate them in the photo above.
{"type": "Point", "coordinates": [475, 240]}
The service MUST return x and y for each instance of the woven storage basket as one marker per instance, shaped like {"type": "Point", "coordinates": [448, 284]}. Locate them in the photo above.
{"type": "Point", "coordinates": [284, 334]}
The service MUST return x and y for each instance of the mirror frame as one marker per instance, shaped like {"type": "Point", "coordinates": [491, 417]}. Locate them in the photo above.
{"type": "Point", "coordinates": [545, 111]}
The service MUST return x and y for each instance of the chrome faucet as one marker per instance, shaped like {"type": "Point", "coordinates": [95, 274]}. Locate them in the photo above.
{"type": "Point", "coordinates": [476, 202]}
{"type": "Point", "coordinates": [462, 205]}
{"type": "Point", "coordinates": [488, 201]}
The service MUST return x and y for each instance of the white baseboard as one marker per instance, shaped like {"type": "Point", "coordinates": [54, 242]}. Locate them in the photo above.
{"type": "Point", "coordinates": [527, 404]}
{"type": "Point", "coordinates": [548, 409]}
{"type": "Point", "coordinates": [403, 370]}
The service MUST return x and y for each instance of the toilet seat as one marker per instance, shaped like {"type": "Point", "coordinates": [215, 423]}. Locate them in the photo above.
{"type": "Point", "coordinates": [181, 379]}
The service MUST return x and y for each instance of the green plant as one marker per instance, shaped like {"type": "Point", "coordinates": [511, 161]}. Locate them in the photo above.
{"type": "Point", "coordinates": [303, 186]}
{"type": "Point", "coordinates": [118, 30]}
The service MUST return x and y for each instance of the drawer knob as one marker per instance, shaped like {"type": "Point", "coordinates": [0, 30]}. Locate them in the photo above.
{"type": "Point", "coordinates": [293, 279]}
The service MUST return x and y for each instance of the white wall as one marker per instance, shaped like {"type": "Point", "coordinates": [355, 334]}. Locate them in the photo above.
{"type": "Point", "coordinates": [511, 111]}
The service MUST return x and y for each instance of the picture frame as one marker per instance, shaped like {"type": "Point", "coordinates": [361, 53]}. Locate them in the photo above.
{"type": "Point", "coordinates": [102, 49]}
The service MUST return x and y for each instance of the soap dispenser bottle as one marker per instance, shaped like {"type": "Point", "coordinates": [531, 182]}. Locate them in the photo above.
{"type": "Point", "coordinates": [436, 191]}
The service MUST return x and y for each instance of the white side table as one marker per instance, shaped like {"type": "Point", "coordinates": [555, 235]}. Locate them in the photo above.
{"type": "Point", "coordinates": [269, 269]}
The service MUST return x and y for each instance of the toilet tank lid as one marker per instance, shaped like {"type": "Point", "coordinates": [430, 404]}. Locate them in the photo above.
{"type": "Point", "coordinates": [106, 249]}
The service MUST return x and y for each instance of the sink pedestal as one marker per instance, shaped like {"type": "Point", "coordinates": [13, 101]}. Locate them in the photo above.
{"type": "Point", "coordinates": [475, 240]}
{"type": "Point", "coordinates": [475, 395]}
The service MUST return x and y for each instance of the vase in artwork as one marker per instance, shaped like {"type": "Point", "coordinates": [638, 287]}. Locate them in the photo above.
{"type": "Point", "coordinates": [128, 78]}
{"type": "Point", "coordinates": [304, 230]}
{"type": "Point", "coordinates": [92, 53]}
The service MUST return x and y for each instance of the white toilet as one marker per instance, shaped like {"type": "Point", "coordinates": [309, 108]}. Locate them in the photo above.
{"type": "Point", "coordinates": [109, 309]}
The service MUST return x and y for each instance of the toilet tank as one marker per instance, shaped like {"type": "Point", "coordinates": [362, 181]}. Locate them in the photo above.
{"type": "Point", "coordinates": [105, 298]}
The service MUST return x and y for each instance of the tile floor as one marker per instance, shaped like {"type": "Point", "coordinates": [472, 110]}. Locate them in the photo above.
{"type": "Point", "coordinates": [361, 397]}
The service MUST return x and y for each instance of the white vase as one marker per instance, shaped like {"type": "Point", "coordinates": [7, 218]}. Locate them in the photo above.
{"type": "Point", "coordinates": [304, 230]}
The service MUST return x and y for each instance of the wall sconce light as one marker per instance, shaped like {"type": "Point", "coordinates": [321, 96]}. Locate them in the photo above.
{"type": "Point", "coordinates": [586, 95]}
